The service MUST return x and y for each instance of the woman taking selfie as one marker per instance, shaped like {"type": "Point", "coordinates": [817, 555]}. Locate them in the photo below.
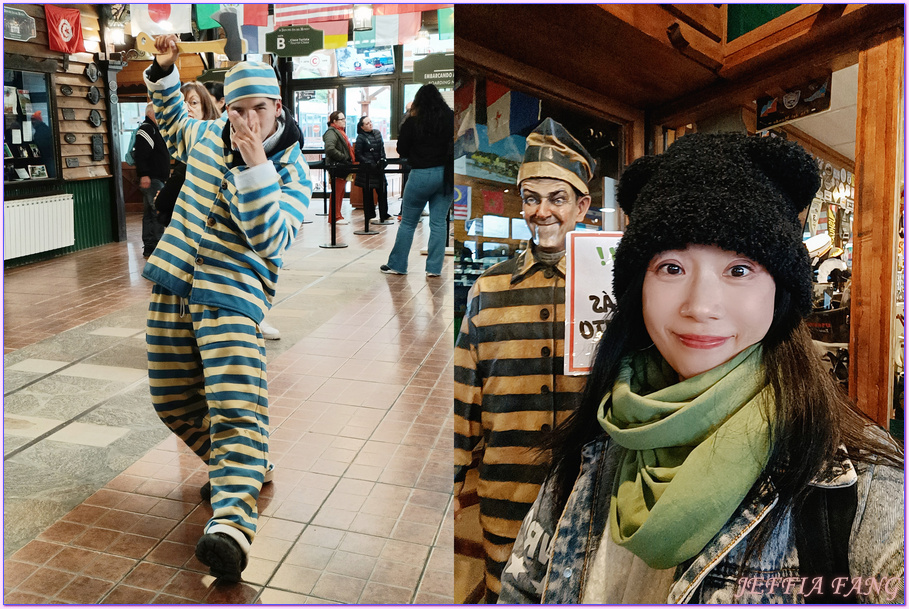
{"type": "Point", "coordinates": [713, 460]}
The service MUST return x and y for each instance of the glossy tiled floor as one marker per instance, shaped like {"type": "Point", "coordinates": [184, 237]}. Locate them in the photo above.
{"type": "Point", "coordinates": [101, 504]}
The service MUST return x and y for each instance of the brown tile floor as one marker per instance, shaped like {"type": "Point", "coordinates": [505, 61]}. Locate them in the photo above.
{"type": "Point", "coordinates": [360, 509]}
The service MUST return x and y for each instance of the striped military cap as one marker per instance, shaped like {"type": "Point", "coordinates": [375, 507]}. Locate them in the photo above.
{"type": "Point", "coordinates": [552, 152]}
{"type": "Point", "coordinates": [250, 79]}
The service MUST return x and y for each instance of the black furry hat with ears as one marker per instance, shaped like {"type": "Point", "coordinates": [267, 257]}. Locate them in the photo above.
{"type": "Point", "coordinates": [740, 193]}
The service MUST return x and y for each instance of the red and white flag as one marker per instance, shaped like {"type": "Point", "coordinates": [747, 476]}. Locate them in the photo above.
{"type": "Point", "coordinates": [157, 19]}
{"type": "Point", "coordinates": [400, 9]}
{"type": "Point", "coordinates": [255, 14]}
{"type": "Point", "coordinates": [303, 14]}
{"type": "Point", "coordinates": [64, 29]}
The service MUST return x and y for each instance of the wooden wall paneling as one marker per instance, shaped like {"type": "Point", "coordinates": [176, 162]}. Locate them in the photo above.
{"type": "Point", "coordinates": [74, 76]}
{"type": "Point", "coordinates": [91, 34]}
{"type": "Point", "coordinates": [189, 66]}
{"type": "Point", "coordinates": [879, 177]}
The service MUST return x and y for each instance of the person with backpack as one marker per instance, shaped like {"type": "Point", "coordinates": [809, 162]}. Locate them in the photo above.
{"type": "Point", "coordinates": [712, 458]}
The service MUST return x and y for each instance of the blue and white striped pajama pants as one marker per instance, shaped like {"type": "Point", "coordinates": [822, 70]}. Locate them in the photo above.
{"type": "Point", "coordinates": [206, 372]}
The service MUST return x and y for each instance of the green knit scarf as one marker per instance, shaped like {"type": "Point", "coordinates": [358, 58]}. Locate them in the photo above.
{"type": "Point", "coordinates": [694, 450]}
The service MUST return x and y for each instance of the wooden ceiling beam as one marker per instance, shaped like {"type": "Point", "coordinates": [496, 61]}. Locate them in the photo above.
{"type": "Point", "coordinates": [801, 29]}
{"type": "Point", "coordinates": [830, 45]}
{"type": "Point", "coordinates": [657, 22]}
{"type": "Point", "coordinates": [513, 73]}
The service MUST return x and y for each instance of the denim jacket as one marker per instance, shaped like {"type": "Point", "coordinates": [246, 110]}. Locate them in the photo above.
{"type": "Point", "coordinates": [555, 549]}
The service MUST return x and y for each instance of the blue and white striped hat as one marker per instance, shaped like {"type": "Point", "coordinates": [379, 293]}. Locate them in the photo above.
{"type": "Point", "coordinates": [250, 79]}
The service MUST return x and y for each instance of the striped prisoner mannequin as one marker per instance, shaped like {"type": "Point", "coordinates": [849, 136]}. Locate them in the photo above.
{"type": "Point", "coordinates": [215, 271]}
{"type": "Point", "coordinates": [510, 390]}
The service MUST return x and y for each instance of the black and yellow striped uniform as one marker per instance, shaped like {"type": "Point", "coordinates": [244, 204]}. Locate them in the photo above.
{"type": "Point", "coordinates": [510, 391]}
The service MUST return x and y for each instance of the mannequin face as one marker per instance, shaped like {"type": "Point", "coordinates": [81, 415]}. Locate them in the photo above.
{"type": "Point", "coordinates": [551, 211]}
{"type": "Point", "coordinates": [704, 305]}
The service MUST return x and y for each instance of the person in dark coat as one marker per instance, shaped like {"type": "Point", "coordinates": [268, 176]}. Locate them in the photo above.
{"type": "Point", "coordinates": [340, 154]}
{"type": "Point", "coordinates": [370, 152]}
{"type": "Point", "coordinates": [152, 168]}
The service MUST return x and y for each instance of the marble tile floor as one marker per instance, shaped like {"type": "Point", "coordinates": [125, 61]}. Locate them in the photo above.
{"type": "Point", "coordinates": [101, 503]}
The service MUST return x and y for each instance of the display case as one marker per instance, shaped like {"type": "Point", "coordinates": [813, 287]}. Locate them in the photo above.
{"type": "Point", "coordinates": [29, 153]}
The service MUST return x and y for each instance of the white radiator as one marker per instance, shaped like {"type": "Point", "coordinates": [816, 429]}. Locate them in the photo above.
{"type": "Point", "coordinates": [32, 226]}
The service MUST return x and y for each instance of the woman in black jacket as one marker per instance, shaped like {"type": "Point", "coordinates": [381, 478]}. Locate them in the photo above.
{"type": "Point", "coordinates": [370, 152]}
{"type": "Point", "coordinates": [426, 142]}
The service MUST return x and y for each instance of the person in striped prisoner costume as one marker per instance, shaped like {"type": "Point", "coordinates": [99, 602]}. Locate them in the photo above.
{"type": "Point", "coordinates": [510, 390]}
{"type": "Point", "coordinates": [215, 270]}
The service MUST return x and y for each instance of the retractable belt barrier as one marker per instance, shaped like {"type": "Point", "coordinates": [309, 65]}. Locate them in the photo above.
{"type": "Point", "coordinates": [350, 168]}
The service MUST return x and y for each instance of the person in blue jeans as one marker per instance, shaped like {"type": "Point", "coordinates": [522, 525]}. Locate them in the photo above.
{"type": "Point", "coordinates": [426, 141]}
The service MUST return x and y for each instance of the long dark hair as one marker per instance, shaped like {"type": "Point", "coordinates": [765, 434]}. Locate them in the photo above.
{"type": "Point", "coordinates": [811, 418]}
{"type": "Point", "coordinates": [431, 113]}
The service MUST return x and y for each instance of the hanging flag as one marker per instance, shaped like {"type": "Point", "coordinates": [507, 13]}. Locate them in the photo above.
{"type": "Point", "coordinates": [366, 39]}
{"type": "Point", "coordinates": [157, 19]}
{"type": "Point", "coordinates": [255, 36]}
{"type": "Point", "coordinates": [64, 29]}
{"type": "Point", "coordinates": [493, 202]}
{"type": "Point", "coordinates": [461, 203]}
{"type": "Point", "coordinates": [249, 14]}
{"type": "Point", "coordinates": [465, 111]}
{"type": "Point", "coordinates": [398, 9]}
{"type": "Point", "coordinates": [509, 112]}
{"type": "Point", "coordinates": [335, 33]}
{"type": "Point", "coordinates": [408, 26]}
{"type": "Point", "coordinates": [255, 14]}
{"type": "Point", "coordinates": [386, 28]}
{"type": "Point", "coordinates": [303, 14]}
{"type": "Point", "coordinates": [446, 23]}
{"type": "Point", "coordinates": [203, 16]}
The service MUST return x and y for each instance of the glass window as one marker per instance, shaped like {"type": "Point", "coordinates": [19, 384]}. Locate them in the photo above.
{"type": "Point", "coordinates": [312, 109]}
{"type": "Point", "coordinates": [423, 45]}
{"type": "Point", "coordinates": [321, 64]}
{"type": "Point", "coordinates": [29, 152]}
{"type": "Point", "coordinates": [374, 102]}
{"type": "Point", "coordinates": [519, 229]}
{"type": "Point", "coordinates": [410, 90]}
{"type": "Point", "coordinates": [131, 116]}
{"type": "Point", "coordinates": [496, 227]}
